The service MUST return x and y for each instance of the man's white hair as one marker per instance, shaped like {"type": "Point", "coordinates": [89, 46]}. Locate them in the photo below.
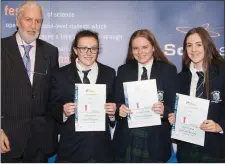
{"type": "Point", "coordinates": [30, 4]}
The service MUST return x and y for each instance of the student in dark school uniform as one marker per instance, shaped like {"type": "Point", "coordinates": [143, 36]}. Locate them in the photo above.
{"type": "Point", "coordinates": [203, 76]}
{"type": "Point", "coordinates": [145, 60]}
{"type": "Point", "coordinates": [91, 146]}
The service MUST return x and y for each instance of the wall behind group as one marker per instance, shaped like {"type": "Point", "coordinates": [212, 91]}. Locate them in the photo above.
{"type": "Point", "coordinates": [115, 21]}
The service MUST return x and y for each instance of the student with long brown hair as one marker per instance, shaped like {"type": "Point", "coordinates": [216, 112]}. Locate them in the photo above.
{"type": "Point", "coordinates": [145, 60]}
{"type": "Point", "coordinates": [203, 70]}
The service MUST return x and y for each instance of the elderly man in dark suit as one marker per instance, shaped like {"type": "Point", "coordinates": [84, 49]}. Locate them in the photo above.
{"type": "Point", "coordinates": [28, 132]}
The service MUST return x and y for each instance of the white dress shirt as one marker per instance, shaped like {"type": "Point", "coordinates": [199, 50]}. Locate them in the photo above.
{"type": "Point", "coordinates": [92, 74]}
{"type": "Point", "coordinates": [194, 79]}
{"type": "Point", "coordinates": [32, 53]}
{"type": "Point", "coordinates": [147, 66]}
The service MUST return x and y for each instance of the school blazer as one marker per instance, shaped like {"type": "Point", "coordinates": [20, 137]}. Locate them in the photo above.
{"type": "Point", "coordinates": [214, 142]}
{"type": "Point", "coordinates": [80, 146]}
{"type": "Point", "coordinates": [159, 141]}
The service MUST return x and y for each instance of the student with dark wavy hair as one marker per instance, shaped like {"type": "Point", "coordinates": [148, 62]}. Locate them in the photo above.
{"type": "Point", "coordinates": [201, 60]}
{"type": "Point", "coordinates": [145, 144]}
{"type": "Point", "coordinates": [84, 68]}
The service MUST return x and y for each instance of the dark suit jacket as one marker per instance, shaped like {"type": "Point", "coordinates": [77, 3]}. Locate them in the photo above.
{"type": "Point", "coordinates": [24, 107]}
{"type": "Point", "coordinates": [159, 141]}
{"type": "Point", "coordinates": [80, 146]}
{"type": "Point", "coordinates": [214, 142]}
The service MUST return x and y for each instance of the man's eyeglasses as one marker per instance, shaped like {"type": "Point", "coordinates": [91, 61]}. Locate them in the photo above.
{"type": "Point", "coordinates": [94, 50]}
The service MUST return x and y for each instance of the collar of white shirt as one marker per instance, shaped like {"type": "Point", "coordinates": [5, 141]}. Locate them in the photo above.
{"type": "Point", "coordinates": [93, 68]}
{"type": "Point", "coordinates": [193, 69]}
{"type": "Point", "coordinates": [148, 66]}
{"type": "Point", "coordinates": [21, 42]}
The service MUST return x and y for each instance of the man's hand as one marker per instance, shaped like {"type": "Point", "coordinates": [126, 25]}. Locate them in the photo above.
{"type": "Point", "coordinates": [69, 109]}
{"type": "Point", "coordinates": [5, 146]}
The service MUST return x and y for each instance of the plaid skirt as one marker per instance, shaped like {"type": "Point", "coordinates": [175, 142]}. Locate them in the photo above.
{"type": "Point", "coordinates": [137, 150]}
{"type": "Point", "coordinates": [194, 154]}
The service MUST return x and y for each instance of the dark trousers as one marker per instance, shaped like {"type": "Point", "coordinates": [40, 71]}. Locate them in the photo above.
{"type": "Point", "coordinates": [26, 157]}
{"type": "Point", "coordinates": [31, 154]}
{"type": "Point", "coordinates": [90, 160]}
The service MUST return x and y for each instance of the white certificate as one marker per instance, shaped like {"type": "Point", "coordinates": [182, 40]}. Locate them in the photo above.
{"type": "Point", "coordinates": [90, 112]}
{"type": "Point", "coordinates": [139, 98]}
{"type": "Point", "coordinates": [190, 112]}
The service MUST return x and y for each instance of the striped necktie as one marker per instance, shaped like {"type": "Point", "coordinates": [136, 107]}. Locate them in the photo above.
{"type": "Point", "coordinates": [200, 84]}
{"type": "Point", "coordinates": [26, 58]}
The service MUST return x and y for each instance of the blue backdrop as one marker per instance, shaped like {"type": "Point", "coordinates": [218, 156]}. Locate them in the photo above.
{"type": "Point", "coordinates": [117, 20]}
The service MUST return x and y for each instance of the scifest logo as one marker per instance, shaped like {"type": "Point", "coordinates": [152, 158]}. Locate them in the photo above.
{"type": "Point", "coordinates": [170, 49]}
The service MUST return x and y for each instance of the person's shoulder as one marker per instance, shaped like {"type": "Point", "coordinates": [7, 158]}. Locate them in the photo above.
{"type": "Point", "coordinates": [180, 74]}
{"type": "Point", "coordinates": [185, 72]}
{"type": "Point", "coordinates": [6, 39]}
{"type": "Point", "coordinates": [62, 70]}
{"type": "Point", "coordinates": [128, 65]}
{"type": "Point", "coordinates": [105, 67]}
{"type": "Point", "coordinates": [167, 66]}
{"type": "Point", "coordinates": [66, 67]}
{"type": "Point", "coordinates": [221, 67]}
{"type": "Point", "coordinates": [218, 66]}
{"type": "Point", "coordinates": [47, 44]}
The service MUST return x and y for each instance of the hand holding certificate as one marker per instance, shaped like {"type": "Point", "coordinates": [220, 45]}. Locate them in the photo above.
{"type": "Point", "coordinates": [90, 112]}
{"type": "Point", "coordinates": [139, 98]}
{"type": "Point", "coordinates": [190, 112]}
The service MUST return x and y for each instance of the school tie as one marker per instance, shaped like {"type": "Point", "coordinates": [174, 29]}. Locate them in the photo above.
{"type": "Point", "coordinates": [85, 79]}
{"type": "Point", "coordinates": [26, 58]}
{"type": "Point", "coordinates": [144, 75]}
{"type": "Point", "coordinates": [200, 85]}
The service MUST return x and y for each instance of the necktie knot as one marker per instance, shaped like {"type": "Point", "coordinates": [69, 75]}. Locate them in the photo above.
{"type": "Point", "coordinates": [200, 74]}
{"type": "Point", "coordinates": [86, 72]}
{"type": "Point", "coordinates": [27, 49]}
{"type": "Point", "coordinates": [144, 70]}
{"type": "Point", "coordinates": [144, 75]}
{"type": "Point", "coordinates": [85, 79]}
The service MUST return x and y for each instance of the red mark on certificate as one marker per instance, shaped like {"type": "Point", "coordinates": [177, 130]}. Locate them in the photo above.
{"type": "Point", "coordinates": [85, 107]}
{"type": "Point", "coordinates": [184, 119]}
{"type": "Point", "coordinates": [137, 105]}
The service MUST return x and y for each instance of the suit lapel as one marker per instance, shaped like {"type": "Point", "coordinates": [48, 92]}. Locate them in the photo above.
{"type": "Point", "coordinates": [133, 71]}
{"type": "Point", "coordinates": [15, 56]}
{"type": "Point", "coordinates": [101, 76]}
{"type": "Point", "coordinates": [41, 64]}
{"type": "Point", "coordinates": [76, 77]}
{"type": "Point", "coordinates": [72, 75]}
{"type": "Point", "coordinates": [155, 70]}
{"type": "Point", "coordinates": [185, 83]}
